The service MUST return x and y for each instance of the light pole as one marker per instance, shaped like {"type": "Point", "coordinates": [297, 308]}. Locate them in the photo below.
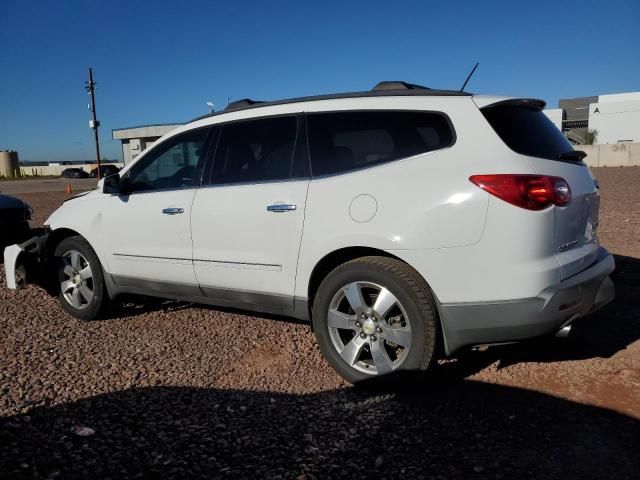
{"type": "Point", "coordinates": [94, 124]}
{"type": "Point", "coordinates": [211, 107]}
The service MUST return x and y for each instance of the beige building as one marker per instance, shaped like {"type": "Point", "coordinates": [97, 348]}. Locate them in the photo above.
{"type": "Point", "coordinates": [136, 140]}
{"type": "Point", "coordinates": [9, 163]}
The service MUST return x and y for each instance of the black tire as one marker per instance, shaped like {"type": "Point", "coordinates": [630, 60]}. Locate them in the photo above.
{"type": "Point", "coordinates": [410, 290]}
{"type": "Point", "coordinates": [99, 302]}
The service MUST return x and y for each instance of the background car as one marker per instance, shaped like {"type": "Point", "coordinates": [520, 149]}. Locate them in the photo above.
{"type": "Point", "coordinates": [74, 173]}
{"type": "Point", "coordinates": [105, 171]}
{"type": "Point", "coordinates": [14, 220]}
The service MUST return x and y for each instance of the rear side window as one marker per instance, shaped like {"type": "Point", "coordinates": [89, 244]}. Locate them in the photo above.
{"type": "Point", "coordinates": [255, 151]}
{"type": "Point", "coordinates": [526, 130]}
{"type": "Point", "coordinates": [343, 141]}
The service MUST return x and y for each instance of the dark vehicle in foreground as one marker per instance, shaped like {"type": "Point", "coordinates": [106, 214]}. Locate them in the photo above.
{"type": "Point", "coordinates": [74, 173]}
{"type": "Point", "coordinates": [14, 220]}
{"type": "Point", "coordinates": [105, 171]}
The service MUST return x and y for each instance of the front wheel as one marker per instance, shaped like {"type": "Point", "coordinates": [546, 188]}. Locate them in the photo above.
{"type": "Point", "coordinates": [374, 316]}
{"type": "Point", "coordinates": [82, 291]}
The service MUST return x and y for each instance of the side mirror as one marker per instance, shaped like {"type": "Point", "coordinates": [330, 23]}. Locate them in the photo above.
{"type": "Point", "coordinates": [111, 184]}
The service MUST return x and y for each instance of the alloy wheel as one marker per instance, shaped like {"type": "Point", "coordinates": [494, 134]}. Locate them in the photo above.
{"type": "Point", "coordinates": [369, 328]}
{"type": "Point", "coordinates": [77, 285]}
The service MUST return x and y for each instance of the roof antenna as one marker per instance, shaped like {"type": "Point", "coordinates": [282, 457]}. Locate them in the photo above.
{"type": "Point", "coordinates": [469, 77]}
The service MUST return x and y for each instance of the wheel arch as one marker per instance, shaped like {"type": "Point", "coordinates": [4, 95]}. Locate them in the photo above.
{"type": "Point", "coordinates": [59, 234]}
{"type": "Point", "coordinates": [333, 260]}
{"type": "Point", "coordinates": [56, 236]}
{"type": "Point", "coordinates": [337, 257]}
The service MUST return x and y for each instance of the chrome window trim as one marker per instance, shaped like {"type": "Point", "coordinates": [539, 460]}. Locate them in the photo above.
{"type": "Point", "coordinates": [262, 182]}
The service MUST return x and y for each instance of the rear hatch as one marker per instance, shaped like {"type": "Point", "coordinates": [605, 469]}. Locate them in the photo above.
{"type": "Point", "coordinates": [526, 130]}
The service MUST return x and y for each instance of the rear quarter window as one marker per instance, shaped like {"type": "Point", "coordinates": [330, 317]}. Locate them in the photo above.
{"type": "Point", "coordinates": [526, 130]}
{"type": "Point", "coordinates": [345, 141]}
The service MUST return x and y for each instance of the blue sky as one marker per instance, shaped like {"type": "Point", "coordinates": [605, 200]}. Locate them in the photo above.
{"type": "Point", "coordinates": [159, 62]}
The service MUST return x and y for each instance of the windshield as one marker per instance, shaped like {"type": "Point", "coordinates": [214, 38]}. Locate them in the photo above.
{"type": "Point", "coordinates": [526, 130]}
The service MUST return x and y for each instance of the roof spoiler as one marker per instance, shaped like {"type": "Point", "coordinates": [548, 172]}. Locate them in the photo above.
{"type": "Point", "coordinates": [532, 103]}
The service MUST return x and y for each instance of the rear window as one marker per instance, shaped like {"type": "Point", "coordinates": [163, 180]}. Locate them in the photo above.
{"type": "Point", "coordinates": [526, 130]}
{"type": "Point", "coordinates": [344, 141]}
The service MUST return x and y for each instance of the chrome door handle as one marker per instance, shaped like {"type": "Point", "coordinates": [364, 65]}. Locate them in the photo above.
{"type": "Point", "coordinates": [172, 210]}
{"type": "Point", "coordinates": [281, 207]}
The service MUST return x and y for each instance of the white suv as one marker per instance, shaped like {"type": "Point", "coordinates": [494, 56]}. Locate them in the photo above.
{"type": "Point", "coordinates": [403, 222]}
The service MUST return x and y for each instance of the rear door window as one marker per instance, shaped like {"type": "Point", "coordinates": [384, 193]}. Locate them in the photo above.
{"type": "Point", "coordinates": [344, 141]}
{"type": "Point", "coordinates": [258, 150]}
{"type": "Point", "coordinates": [527, 130]}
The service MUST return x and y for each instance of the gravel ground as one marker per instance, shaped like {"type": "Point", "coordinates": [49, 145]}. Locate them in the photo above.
{"type": "Point", "coordinates": [172, 390]}
{"type": "Point", "coordinates": [37, 185]}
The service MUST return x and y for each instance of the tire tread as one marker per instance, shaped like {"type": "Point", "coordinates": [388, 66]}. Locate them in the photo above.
{"type": "Point", "coordinates": [103, 302]}
{"type": "Point", "coordinates": [418, 289]}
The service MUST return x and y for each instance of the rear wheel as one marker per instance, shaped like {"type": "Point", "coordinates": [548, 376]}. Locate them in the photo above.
{"type": "Point", "coordinates": [374, 316]}
{"type": "Point", "coordinates": [82, 290]}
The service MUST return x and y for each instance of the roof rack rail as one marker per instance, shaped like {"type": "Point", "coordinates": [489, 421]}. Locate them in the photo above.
{"type": "Point", "coordinates": [382, 89]}
{"type": "Point", "coordinates": [397, 85]}
{"type": "Point", "coordinates": [245, 102]}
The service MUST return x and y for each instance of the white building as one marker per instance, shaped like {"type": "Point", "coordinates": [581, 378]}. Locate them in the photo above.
{"type": "Point", "coordinates": [135, 140]}
{"type": "Point", "coordinates": [616, 118]}
{"type": "Point", "coordinates": [555, 115]}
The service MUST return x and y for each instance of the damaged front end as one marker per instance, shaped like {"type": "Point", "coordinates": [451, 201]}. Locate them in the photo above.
{"type": "Point", "coordinates": [27, 262]}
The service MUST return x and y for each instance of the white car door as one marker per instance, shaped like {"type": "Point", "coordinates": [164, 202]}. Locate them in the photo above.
{"type": "Point", "coordinates": [148, 230]}
{"type": "Point", "coordinates": [247, 224]}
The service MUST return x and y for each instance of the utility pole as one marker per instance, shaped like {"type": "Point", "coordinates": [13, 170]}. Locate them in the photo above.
{"type": "Point", "coordinates": [94, 124]}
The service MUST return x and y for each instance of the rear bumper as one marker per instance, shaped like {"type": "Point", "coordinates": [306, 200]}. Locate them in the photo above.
{"type": "Point", "coordinates": [466, 324]}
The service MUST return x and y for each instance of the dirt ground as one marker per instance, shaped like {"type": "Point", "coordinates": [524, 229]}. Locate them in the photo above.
{"type": "Point", "coordinates": [46, 184]}
{"type": "Point", "coordinates": [174, 390]}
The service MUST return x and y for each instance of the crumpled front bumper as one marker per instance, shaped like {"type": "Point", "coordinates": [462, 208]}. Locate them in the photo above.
{"type": "Point", "coordinates": [27, 254]}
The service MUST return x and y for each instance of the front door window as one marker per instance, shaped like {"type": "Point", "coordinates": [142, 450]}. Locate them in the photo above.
{"type": "Point", "coordinates": [175, 164]}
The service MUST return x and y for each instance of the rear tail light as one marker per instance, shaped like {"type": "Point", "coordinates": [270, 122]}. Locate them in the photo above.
{"type": "Point", "coordinates": [533, 192]}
